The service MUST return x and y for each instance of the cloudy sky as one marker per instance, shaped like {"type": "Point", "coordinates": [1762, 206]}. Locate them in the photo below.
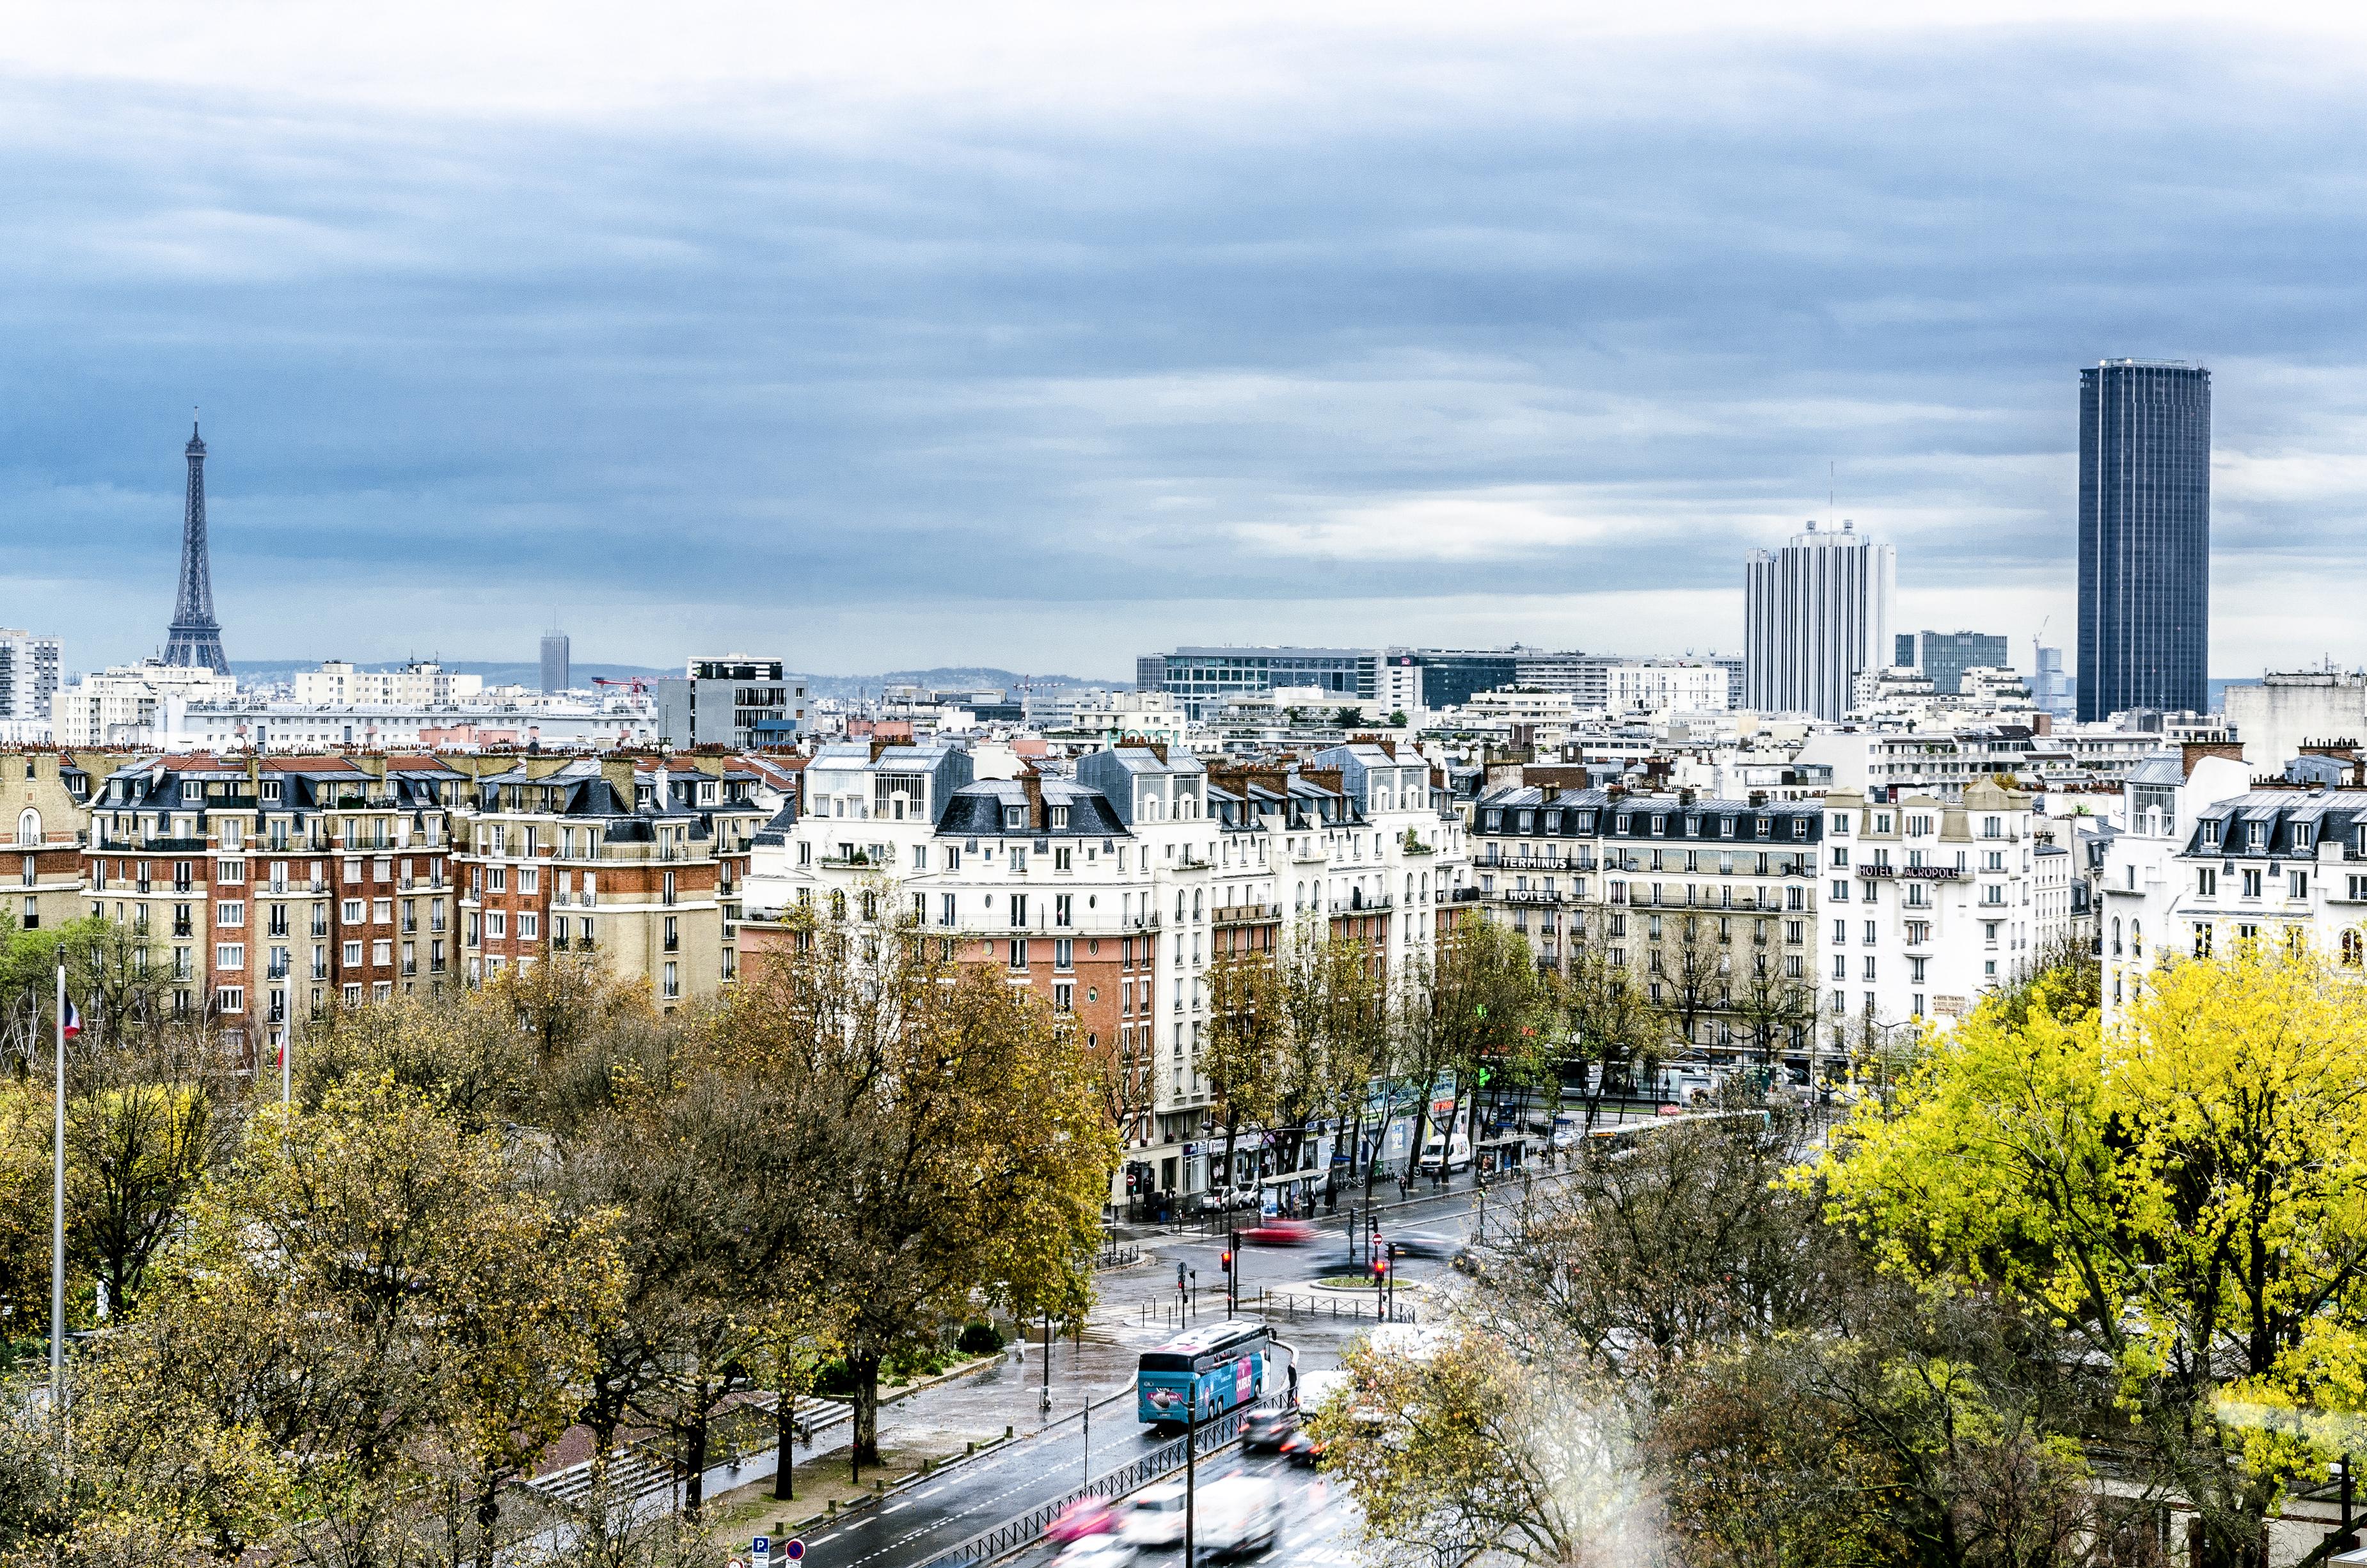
{"type": "Point", "coordinates": [888, 335]}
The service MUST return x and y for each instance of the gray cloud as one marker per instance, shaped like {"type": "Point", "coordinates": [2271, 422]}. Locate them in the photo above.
{"type": "Point", "coordinates": [1581, 323]}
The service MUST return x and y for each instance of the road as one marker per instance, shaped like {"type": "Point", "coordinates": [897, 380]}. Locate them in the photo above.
{"type": "Point", "coordinates": [1139, 1310]}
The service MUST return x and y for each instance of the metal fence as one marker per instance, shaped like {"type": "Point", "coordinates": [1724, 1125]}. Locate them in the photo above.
{"type": "Point", "coordinates": [1165, 1459]}
{"type": "Point", "coordinates": [1343, 1306]}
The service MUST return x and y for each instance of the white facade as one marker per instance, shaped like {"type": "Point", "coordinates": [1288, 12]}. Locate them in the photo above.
{"type": "Point", "coordinates": [1931, 902]}
{"type": "Point", "coordinates": [421, 684]}
{"type": "Point", "coordinates": [1126, 873]}
{"type": "Point", "coordinates": [2285, 712]}
{"type": "Point", "coordinates": [1658, 686]}
{"type": "Point", "coordinates": [124, 705]}
{"type": "Point", "coordinates": [183, 725]}
{"type": "Point", "coordinates": [1815, 613]}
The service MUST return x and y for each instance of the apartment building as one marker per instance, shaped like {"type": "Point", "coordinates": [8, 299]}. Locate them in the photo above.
{"type": "Point", "coordinates": [1777, 927]}
{"type": "Point", "coordinates": [1714, 902]}
{"type": "Point", "coordinates": [1111, 893]}
{"type": "Point", "coordinates": [45, 801]}
{"type": "Point", "coordinates": [419, 684]}
{"type": "Point", "coordinates": [2209, 859]}
{"type": "Point", "coordinates": [640, 861]}
{"type": "Point", "coordinates": [1931, 902]}
{"type": "Point", "coordinates": [28, 674]}
{"type": "Point", "coordinates": [123, 706]}
{"type": "Point", "coordinates": [270, 886]}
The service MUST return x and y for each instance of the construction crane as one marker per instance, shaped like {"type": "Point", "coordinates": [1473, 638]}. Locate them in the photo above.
{"type": "Point", "coordinates": [636, 682]}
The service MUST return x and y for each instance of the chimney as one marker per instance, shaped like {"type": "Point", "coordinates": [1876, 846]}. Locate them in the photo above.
{"type": "Point", "coordinates": [1038, 821]}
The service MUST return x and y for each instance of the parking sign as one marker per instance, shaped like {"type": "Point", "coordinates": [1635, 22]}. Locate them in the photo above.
{"type": "Point", "coordinates": [760, 1552]}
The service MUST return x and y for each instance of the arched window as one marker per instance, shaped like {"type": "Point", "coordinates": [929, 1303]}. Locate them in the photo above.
{"type": "Point", "coordinates": [28, 827]}
{"type": "Point", "coordinates": [2351, 946]}
{"type": "Point", "coordinates": [2136, 938]}
{"type": "Point", "coordinates": [2116, 936]}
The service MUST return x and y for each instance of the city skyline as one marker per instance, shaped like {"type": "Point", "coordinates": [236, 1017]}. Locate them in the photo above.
{"type": "Point", "coordinates": [1271, 348]}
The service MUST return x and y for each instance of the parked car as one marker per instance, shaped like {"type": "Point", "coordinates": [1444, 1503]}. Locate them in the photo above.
{"type": "Point", "coordinates": [1280, 1234]}
{"type": "Point", "coordinates": [1085, 1517]}
{"type": "Point", "coordinates": [1455, 1153]}
{"type": "Point", "coordinates": [1268, 1430]}
{"type": "Point", "coordinates": [1154, 1516]}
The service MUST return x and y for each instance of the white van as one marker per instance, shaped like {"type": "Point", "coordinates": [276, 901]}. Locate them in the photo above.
{"type": "Point", "coordinates": [1236, 1514]}
{"type": "Point", "coordinates": [1456, 1152]}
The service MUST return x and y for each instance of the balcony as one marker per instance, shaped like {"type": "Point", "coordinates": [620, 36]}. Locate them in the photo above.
{"type": "Point", "coordinates": [1377, 903]}
{"type": "Point", "coordinates": [1311, 855]}
{"type": "Point", "coordinates": [1467, 895]}
{"type": "Point", "coordinates": [1245, 914]}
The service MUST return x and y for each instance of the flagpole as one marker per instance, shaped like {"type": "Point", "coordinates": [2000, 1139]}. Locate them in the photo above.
{"type": "Point", "coordinates": [58, 1217]}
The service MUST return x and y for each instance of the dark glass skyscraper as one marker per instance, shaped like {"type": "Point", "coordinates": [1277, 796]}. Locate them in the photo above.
{"type": "Point", "coordinates": [2145, 537]}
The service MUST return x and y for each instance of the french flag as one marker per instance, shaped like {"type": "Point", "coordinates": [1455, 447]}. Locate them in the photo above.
{"type": "Point", "coordinates": [73, 1019]}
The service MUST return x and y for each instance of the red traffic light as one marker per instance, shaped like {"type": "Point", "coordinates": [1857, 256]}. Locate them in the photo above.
{"type": "Point", "coordinates": [1224, 1262]}
{"type": "Point", "coordinates": [1380, 1266]}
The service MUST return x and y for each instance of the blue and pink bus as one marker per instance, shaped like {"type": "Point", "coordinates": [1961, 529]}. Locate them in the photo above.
{"type": "Point", "coordinates": [1220, 1368]}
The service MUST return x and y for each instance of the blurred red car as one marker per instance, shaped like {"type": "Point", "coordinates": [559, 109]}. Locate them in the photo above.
{"type": "Point", "coordinates": [1086, 1515]}
{"type": "Point", "coordinates": [1280, 1234]}
{"type": "Point", "coordinates": [1301, 1449]}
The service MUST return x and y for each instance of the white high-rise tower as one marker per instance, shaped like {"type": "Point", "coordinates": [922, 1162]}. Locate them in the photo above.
{"type": "Point", "coordinates": [1816, 612]}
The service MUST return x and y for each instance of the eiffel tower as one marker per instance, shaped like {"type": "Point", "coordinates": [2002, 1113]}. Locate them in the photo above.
{"type": "Point", "coordinates": [195, 639]}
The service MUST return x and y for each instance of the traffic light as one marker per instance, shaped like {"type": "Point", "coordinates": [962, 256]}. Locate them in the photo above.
{"type": "Point", "coordinates": [1380, 1267]}
{"type": "Point", "coordinates": [1225, 1261]}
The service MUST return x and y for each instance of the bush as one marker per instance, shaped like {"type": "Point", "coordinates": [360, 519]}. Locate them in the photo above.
{"type": "Point", "coordinates": [979, 1339]}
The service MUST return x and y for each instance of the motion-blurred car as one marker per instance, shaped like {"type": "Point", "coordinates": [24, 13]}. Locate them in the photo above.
{"type": "Point", "coordinates": [1268, 1430]}
{"type": "Point", "coordinates": [1239, 1515]}
{"type": "Point", "coordinates": [1084, 1518]}
{"type": "Point", "coordinates": [1280, 1234]}
{"type": "Point", "coordinates": [1468, 1261]}
{"type": "Point", "coordinates": [1096, 1551]}
{"type": "Point", "coordinates": [1301, 1449]}
{"type": "Point", "coordinates": [1422, 1244]}
{"type": "Point", "coordinates": [1154, 1516]}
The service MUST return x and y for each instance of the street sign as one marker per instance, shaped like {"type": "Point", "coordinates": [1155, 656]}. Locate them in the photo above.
{"type": "Point", "coordinates": [760, 1552]}
{"type": "Point", "coordinates": [793, 1548]}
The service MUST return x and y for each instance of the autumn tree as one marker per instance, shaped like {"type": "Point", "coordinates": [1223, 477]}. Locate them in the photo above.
{"type": "Point", "coordinates": [1474, 1011]}
{"type": "Point", "coordinates": [957, 1142]}
{"type": "Point", "coordinates": [1241, 1056]}
{"type": "Point", "coordinates": [146, 1123]}
{"type": "Point", "coordinates": [1610, 1022]}
{"type": "Point", "coordinates": [370, 1314]}
{"type": "Point", "coordinates": [1340, 1030]}
{"type": "Point", "coordinates": [2181, 1192]}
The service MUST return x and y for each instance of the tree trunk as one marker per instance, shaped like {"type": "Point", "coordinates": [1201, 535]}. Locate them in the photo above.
{"type": "Point", "coordinates": [785, 1434]}
{"type": "Point", "coordinates": [865, 1448]}
{"type": "Point", "coordinates": [694, 1456]}
{"type": "Point", "coordinates": [489, 1514]}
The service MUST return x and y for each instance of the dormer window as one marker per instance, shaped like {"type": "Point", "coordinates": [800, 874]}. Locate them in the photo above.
{"type": "Point", "coordinates": [1799, 827]}
{"type": "Point", "coordinates": [1660, 826]}
{"type": "Point", "coordinates": [1060, 817]}
{"type": "Point", "coordinates": [191, 789]}
{"type": "Point", "coordinates": [2258, 835]}
{"type": "Point", "coordinates": [1553, 822]}
{"type": "Point", "coordinates": [1725, 827]}
{"type": "Point", "coordinates": [1014, 818]}
{"type": "Point", "coordinates": [1495, 822]}
{"type": "Point", "coordinates": [1765, 827]}
{"type": "Point", "coordinates": [271, 792]}
{"type": "Point", "coordinates": [2213, 828]}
